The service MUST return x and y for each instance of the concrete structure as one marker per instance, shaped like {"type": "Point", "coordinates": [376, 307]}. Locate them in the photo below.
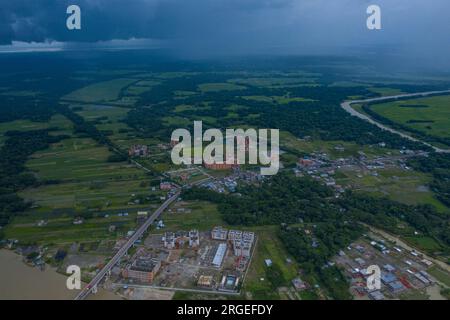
{"type": "Point", "coordinates": [219, 233]}
{"type": "Point", "coordinates": [229, 283]}
{"type": "Point", "coordinates": [169, 240]}
{"type": "Point", "coordinates": [220, 254]}
{"type": "Point", "coordinates": [299, 284]}
{"type": "Point", "coordinates": [376, 295]}
{"type": "Point", "coordinates": [220, 166]}
{"type": "Point", "coordinates": [194, 239]}
{"type": "Point", "coordinates": [242, 242]}
{"type": "Point", "coordinates": [396, 286]}
{"type": "Point", "coordinates": [92, 286]}
{"type": "Point", "coordinates": [143, 270]}
{"type": "Point", "coordinates": [179, 239]}
{"type": "Point", "coordinates": [205, 281]}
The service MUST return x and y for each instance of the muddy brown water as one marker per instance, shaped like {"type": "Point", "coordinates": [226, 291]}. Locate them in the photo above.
{"type": "Point", "coordinates": [21, 282]}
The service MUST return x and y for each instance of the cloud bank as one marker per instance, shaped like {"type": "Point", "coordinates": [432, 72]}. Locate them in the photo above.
{"type": "Point", "coordinates": [234, 26]}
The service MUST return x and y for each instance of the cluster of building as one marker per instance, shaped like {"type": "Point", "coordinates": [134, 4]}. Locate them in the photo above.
{"type": "Point", "coordinates": [176, 240]}
{"type": "Point", "coordinates": [241, 242]}
{"type": "Point", "coordinates": [319, 166]}
{"type": "Point", "coordinates": [401, 270]}
{"type": "Point", "coordinates": [230, 182]}
{"type": "Point", "coordinates": [138, 150]}
{"type": "Point", "coordinates": [222, 166]}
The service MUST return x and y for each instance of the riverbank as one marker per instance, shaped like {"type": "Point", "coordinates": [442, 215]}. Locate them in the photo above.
{"type": "Point", "coordinates": [347, 106]}
{"type": "Point", "coordinates": [21, 282]}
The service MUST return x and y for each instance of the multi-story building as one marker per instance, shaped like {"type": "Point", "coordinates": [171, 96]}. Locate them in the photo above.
{"type": "Point", "coordinates": [143, 270]}
{"type": "Point", "coordinates": [242, 242]}
{"type": "Point", "coordinates": [219, 233]}
{"type": "Point", "coordinates": [169, 240]}
{"type": "Point", "coordinates": [179, 239]}
{"type": "Point", "coordinates": [194, 239]}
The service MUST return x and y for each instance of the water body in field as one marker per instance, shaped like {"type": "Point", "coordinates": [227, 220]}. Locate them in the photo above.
{"type": "Point", "coordinates": [21, 282]}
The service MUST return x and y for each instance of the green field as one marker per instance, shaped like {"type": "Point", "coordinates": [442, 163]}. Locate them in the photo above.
{"type": "Point", "coordinates": [277, 99]}
{"type": "Point", "coordinates": [440, 275]}
{"type": "Point", "coordinates": [268, 247]}
{"type": "Point", "coordinates": [106, 91]}
{"type": "Point", "coordinates": [110, 118]}
{"type": "Point", "coordinates": [214, 87]}
{"type": "Point", "coordinates": [278, 82]}
{"type": "Point", "coordinates": [429, 115]}
{"type": "Point", "coordinates": [425, 243]}
{"type": "Point", "coordinates": [57, 121]}
{"type": "Point", "coordinates": [203, 216]}
{"type": "Point", "coordinates": [404, 186]}
{"type": "Point", "coordinates": [86, 179]}
{"type": "Point", "coordinates": [290, 142]}
{"type": "Point", "coordinates": [384, 91]}
{"type": "Point", "coordinates": [61, 230]}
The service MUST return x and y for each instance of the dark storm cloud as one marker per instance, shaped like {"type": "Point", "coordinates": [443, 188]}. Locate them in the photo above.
{"type": "Point", "coordinates": [233, 26]}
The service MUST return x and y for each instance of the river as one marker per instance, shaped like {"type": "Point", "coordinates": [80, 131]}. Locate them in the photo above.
{"type": "Point", "coordinates": [21, 282]}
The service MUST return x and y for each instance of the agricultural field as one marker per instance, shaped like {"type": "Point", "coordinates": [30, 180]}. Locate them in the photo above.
{"type": "Point", "coordinates": [196, 215]}
{"type": "Point", "coordinates": [386, 91]}
{"type": "Point", "coordinates": [60, 229]}
{"type": "Point", "coordinates": [86, 180]}
{"type": "Point", "coordinates": [107, 91]}
{"type": "Point", "coordinates": [268, 246]}
{"type": "Point", "coordinates": [277, 81]}
{"type": "Point", "coordinates": [278, 99]}
{"type": "Point", "coordinates": [335, 149]}
{"type": "Point", "coordinates": [214, 87]}
{"type": "Point", "coordinates": [409, 187]}
{"type": "Point", "coordinates": [429, 115]}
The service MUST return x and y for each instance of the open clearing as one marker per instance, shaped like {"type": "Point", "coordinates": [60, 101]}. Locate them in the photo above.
{"type": "Point", "coordinates": [429, 115]}
{"type": "Point", "coordinates": [100, 92]}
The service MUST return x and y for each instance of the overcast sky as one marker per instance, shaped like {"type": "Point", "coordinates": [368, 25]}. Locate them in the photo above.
{"type": "Point", "coordinates": [419, 27]}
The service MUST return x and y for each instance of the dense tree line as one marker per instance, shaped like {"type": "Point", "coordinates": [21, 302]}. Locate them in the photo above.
{"type": "Point", "coordinates": [386, 213]}
{"type": "Point", "coordinates": [322, 117]}
{"type": "Point", "coordinates": [334, 223]}
{"type": "Point", "coordinates": [282, 199]}
{"type": "Point", "coordinates": [81, 126]}
{"type": "Point", "coordinates": [313, 252]}
{"type": "Point", "coordinates": [25, 108]}
{"type": "Point", "coordinates": [13, 174]}
{"type": "Point", "coordinates": [286, 200]}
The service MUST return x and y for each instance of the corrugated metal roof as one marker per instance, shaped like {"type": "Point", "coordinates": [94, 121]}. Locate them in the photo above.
{"type": "Point", "coordinates": [220, 253]}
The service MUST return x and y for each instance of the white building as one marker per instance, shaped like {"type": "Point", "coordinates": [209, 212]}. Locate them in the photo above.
{"type": "Point", "coordinates": [220, 254]}
{"type": "Point", "coordinates": [219, 233]}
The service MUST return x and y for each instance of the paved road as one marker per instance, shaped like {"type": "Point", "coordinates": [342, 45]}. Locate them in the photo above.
{"type": "Point", "coordinates": [347, 106]}
{"type": "Point", "coordinates": [122, 251]}
{"type": "Point", "coordinates": [398, 241]}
